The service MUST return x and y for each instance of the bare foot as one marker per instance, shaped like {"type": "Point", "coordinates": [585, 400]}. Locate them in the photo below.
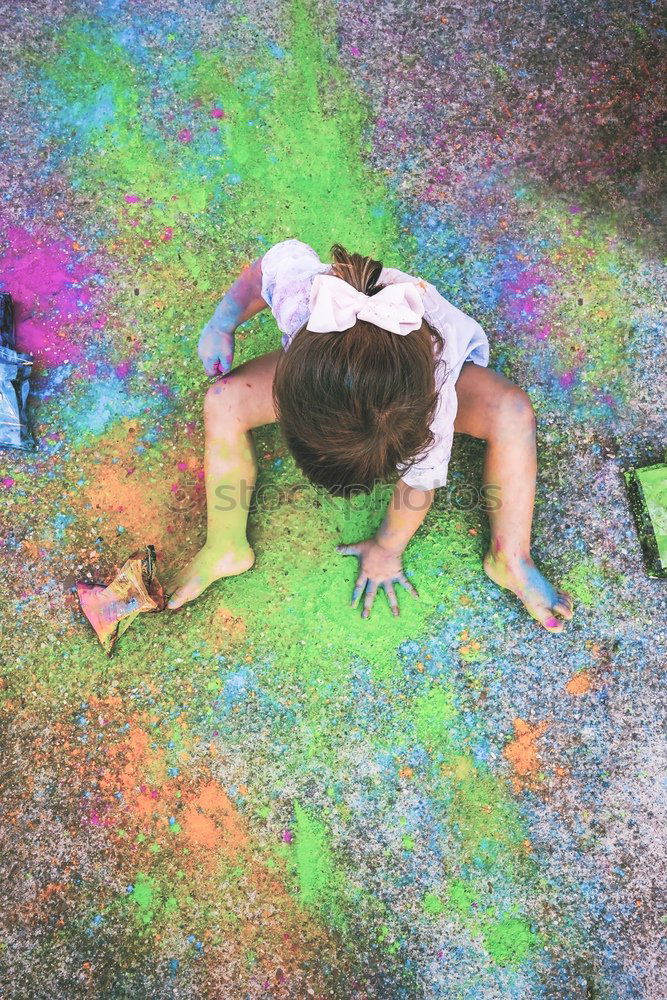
{"type": "Point", "coordinates": [524, 579]}
{"type": "Point", "coordinates": [207, 567]}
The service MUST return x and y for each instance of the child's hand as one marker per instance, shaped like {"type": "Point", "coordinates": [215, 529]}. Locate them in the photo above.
{"type": "Point", "coordinates": [378, 568]}
{"type": "Point", "coordinates": [216, 351]}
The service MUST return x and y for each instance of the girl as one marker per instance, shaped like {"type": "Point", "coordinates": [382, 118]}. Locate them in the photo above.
{"type": "Point", "coordinates": [376, 372]}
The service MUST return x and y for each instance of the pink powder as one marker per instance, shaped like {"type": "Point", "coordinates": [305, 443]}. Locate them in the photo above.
{"type": "Point", "coordinates": [45, 278]}
{"type": "Point", "coordinates": [525, 304]}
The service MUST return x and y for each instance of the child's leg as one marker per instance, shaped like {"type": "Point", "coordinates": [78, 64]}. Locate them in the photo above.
{"type": "Point", "coordinates": [234, 404]}
{"type": "Point", "coordinates": [493, 408]}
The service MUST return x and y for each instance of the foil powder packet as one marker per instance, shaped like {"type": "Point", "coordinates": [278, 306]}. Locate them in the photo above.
{"type": "Point", "coordinates": [15, 369]}
{"type": "Point", "coordinates": [111, 609]}
{"type": "Point", "coordinates": [7, 338]}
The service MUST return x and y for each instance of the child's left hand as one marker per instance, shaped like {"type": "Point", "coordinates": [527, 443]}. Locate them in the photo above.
{"type": "Point", "coordinates": [378, 568]}
{"type": "Point", "coordinates": [216, 350]}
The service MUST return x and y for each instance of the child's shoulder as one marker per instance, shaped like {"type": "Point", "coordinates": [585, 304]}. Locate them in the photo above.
{"type": "Point", "coordinates": [288, 268]}
{"type": "Point", "coordinates": [291, 251]}
{"type": "Point", "coordinates": [290, 262]}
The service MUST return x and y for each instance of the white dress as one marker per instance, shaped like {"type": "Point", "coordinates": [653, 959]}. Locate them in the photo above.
{"type": "Point", "coordinates": [288, 269]}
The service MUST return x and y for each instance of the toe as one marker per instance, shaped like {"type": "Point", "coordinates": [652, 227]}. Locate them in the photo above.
{"type": "Point", "coordinates": [563, 605]}
{"type": "Point", "coordinates": [553, 624]}
{"type": "Point", "coordinates": [547, 619]}
{"type": "Point", "coordinates": [184, 594]}
{"type": "Point", "coordinates": [176, 600]}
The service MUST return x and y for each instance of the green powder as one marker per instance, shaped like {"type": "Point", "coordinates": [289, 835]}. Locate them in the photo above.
{"type": "Point", "coordinates": [319, 883]}
{"type": "Point", "coordinates": [485, 816]}
{"type": "Point", "coordinates": [434, 714]}
{"type": "Point", "coordinates": [592, 308]}
{"type": "Point", "coordinates": [509, 940]}
{"type": "Point", "coordinates": [432, 904]}
{"type": "Point", "coordinates": [585, 582]}
{"type": "Point", "coordinates": [151, 898]}
{"type": "Point", "coordinates": [144, 894]}
{"type": "Point", "coordinates": [301, 161]}
{"type": "Point", "coordinates": [121, 158]}
{"type": "Point", "coordinates": [461, 895]}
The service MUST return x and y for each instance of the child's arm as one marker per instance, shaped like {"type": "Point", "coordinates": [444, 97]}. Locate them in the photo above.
{"type": "Point", "coordinates": [380, 557]}
{"type": "Point", "coordinates": [240, 303]}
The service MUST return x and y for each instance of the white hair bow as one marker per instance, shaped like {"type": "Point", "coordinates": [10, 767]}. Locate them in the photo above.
{"type": "Point", "coordinates": [336, 305]}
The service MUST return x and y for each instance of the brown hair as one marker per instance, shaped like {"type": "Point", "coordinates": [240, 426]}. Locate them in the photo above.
{"type": "Point", "coordinates": [354, 404]}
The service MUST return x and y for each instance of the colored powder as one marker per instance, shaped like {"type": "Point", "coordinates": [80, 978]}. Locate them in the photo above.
{"type": "Point", "coordinates": [461, 895]}
{"type": "Point", "coordinates": [287, 622]}
{"type": "Point", "coordinates": [432, 904]}
{"type": "Point", "coordinates": [484, 816]}
{"type": "Point", "coordinates": [211, 821]}
{"type": "Point", "coordinates": [509, 940]}
{"type": "Point", "coordinates": [585, 582]}
{"type": "Point", "coordinates": [521, 752]}
{"type": "Point", "coordinates": [580, 683]}
{"type": "Point", "coordinates": [433, 714]}
{"type": "Point", "coordinates": [590, 318]}
{"type": "Point", "coordinates": [312, 132]}
{"type": "Point", "coordinates": [281, 593]}
{"type": "Point", "coordinates": [145, 896]}
{"type": "Point", "coordinates": [319, 882]}
{"type": "Point", "coordinates": [50, 284]}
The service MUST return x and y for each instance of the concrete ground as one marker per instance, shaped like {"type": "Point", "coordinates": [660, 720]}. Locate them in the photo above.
{"type": "Point", "coordinates": [263, 795]}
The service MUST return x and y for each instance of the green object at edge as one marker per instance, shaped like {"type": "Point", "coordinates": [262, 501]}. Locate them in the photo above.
{"type": "Point", "coordinates": [648, 495]}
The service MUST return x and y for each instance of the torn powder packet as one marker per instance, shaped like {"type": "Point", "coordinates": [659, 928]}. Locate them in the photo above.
{"type": "Point", "coordinates": [135, 588]}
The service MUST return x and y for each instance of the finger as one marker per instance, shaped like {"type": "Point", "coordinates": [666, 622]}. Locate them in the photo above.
{"type": "Point", "coordinates": [369, 598]}
{"type": "Point", "coordinates": [359, 586]}
{"type": "Point", "coordinates": [391, 597]}
{"type": "Point", "coordinates": [210, 365]}
{"type": "Point", "coordinates": [348, 550]}
{"type": "Point", "coordinates": [403, 580]}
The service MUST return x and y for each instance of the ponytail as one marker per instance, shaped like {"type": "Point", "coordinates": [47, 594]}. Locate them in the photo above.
{"type": "Point", "coordinates": [363, 273]}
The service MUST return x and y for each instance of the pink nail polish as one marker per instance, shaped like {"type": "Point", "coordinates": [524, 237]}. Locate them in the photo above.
{"type": "Point", "coordinates": [552, 623]}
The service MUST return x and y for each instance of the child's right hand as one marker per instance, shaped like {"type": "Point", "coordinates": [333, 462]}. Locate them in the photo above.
{"type": "Point", "coordinates": [377, 568]}
{"type": "Point", "coordinates": [216, 350]}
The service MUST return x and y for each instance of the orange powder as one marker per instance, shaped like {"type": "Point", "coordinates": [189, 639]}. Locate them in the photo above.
{"type": "Point", "coordinates": [579, 684]}
{"type": "Point", "coordinates": [522, 751]}
{"type": "Point", "coordinates": [210, 820]}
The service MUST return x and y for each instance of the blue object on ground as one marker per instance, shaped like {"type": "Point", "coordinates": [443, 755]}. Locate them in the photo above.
{"type": "Point", "coordinates": [15, 369]}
